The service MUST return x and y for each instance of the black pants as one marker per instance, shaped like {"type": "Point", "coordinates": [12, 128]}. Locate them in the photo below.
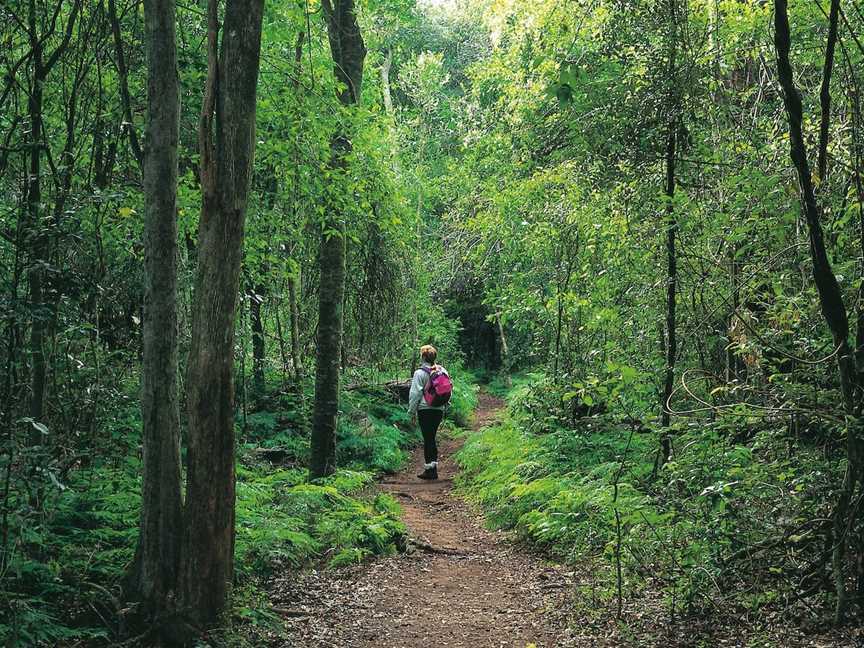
{"type": "Point", "coordinates": [429, 420]}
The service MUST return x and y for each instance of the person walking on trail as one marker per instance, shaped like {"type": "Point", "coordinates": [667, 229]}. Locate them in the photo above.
{"type": "Point", "coordinates": [427, 401]}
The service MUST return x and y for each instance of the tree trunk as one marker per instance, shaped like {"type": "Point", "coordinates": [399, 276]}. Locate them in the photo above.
{"type": "Point", "coordinates": [38, 234]}
{"type": "Point", "coordinates": [38, 238]}
{"type": "Point", "coordinates": [295, 278]}
{"type": "Point", "coordinates": [158, 552]}
{"type": "Point", "coordinates": [859, 188]}
{"type": "Point", "coordinates": [825, 91]}
{"type": "Point", "coordinates": [671, 276]}
{"type": "Point", "coordinates": [327, 374]}
{"type": "Point", "coordinates": [505, 353]}
{"type": "Point", "coordinates": [226, 169]}
{"type": "Point", "coordinates": [258, 350]}
{"type": "Point", "coordinates": [123, 82]}
{"type": "Point", "coordinates": [385, 83]}
{"type": "Point", "coordinates": [348, 52]}
{"type": "Point", "coordinates": [671, 223]}
{"type": "Point", "coordinates": [296, 353]}
{"type": "Point", "coordinates": [831, 302]}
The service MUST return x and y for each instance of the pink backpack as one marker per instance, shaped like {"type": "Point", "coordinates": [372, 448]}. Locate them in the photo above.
{"type": "Point", "coordinates": [438, 388]}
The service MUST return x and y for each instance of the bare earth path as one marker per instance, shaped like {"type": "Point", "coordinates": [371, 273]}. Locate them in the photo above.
{"type": "Point", "coordinates": [462, 585]}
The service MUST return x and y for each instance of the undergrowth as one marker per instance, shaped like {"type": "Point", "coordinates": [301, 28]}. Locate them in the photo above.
{"type": "Point", "coordinates": [733, 524]}
{"type": "Point", "coordinates": [65, 559]}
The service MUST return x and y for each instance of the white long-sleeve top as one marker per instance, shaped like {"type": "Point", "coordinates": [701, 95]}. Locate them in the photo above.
{"type": "Point", "coordinates": [418, 384]}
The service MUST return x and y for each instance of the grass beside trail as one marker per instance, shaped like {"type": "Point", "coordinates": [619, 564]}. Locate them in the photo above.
{"type": "Point", "coordinates": [718, 530]}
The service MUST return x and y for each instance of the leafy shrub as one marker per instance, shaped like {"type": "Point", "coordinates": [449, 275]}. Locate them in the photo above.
{"type": "Point", "coordinates": [374, 432]}
{"type": "Point", "coordinates": [464, 399]}
{"type": "Point", "coordinates": [269, 430]}
{"type": "Point", "coordinates": [62, 570]}
{"type": "Point", "coordinates": [498, 386]}
{"type": "Point", "coordinates": [282, 519]}
{"type": "Point", "coordinates": [717, 514]}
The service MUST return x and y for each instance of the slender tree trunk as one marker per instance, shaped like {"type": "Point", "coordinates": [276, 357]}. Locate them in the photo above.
{"type": "Point", "coordinates": [39, 248]}
{"type": "Point", "coordinates": [825, 90]}
{"type": "Point", "coordinates": [283, 355]}
{"type": "Point", "coordinates": [562, 288]}
{"type": "Point", "coordinates": [39, 239]}
{"type": "Point", "coordinates": [123, 82]}
{"type": "Point", "coordinates": [295, 282]}
{"type": "Point", "coordinates": [386, 64]}
{"type": "Point", "coordinates": [831, 302]}
{"type": "Point", "coordinates": [671, 276]}
{"type": "Point", "coordinates": [258, 350]}
{"type": "Point", "coordinates": [158, 553]}
{"type": "Point", "coordinates": [671, 227]}
{"type": "Point", "coordinates": [296, 353]}
{"type": "Point", "coordinates": [295, 278]}
{"type": "Point", "coordinates": [226, 170]}
{"type": "Point", "coordinates": [37, 236]}
{"type": "Point", "coordinates": [859, 188]}
{"type": "Point", "coordinates": [505, 353]}
{"type": "Point", "coordinates": [348, 52]}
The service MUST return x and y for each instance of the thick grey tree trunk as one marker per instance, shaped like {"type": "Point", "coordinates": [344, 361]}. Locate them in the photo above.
{"type": "Point", "coordinates": [226, 168]}
{"type": "Point", "coordinates": [158, 554]}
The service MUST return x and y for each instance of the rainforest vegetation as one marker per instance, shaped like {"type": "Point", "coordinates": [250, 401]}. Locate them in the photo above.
{"type": "Point", "coordinates": [226, 227]}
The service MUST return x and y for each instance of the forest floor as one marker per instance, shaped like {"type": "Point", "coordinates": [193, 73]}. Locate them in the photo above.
{"type": "Point", "coordinates": [459, 585]}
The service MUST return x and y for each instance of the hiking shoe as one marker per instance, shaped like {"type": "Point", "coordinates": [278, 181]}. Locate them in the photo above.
{"type": "Point", "coordinates": [429, 474]}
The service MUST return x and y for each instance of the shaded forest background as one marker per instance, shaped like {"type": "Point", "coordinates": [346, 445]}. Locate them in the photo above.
{"type": "Point", "coordinates": [589, 205]}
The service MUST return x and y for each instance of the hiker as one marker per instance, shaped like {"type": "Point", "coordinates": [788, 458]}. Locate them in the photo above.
{"type": "Point", "coordinates": [427, 401]}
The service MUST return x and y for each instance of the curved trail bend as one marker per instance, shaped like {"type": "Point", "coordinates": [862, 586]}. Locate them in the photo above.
{"type": "Point", "coordinates": [462, 586]}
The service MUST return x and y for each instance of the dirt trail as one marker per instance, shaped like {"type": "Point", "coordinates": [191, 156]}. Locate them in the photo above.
{"type": "Point", "coordinates": [461, 586]}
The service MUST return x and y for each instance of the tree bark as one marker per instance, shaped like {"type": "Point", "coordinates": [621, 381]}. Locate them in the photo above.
{"type": "Point", "coordinates": [38, 239]}
{"type": "Point", "coordinates": [825, 90]}
{"type": "Point", "coordinates": [385, 83]}
{"type": "Point", "coordinates": [295, 278]}
{"type": "Point", "coordinates": [208, 547]}
{"type": "Point", "coordinates": [348, 52]}
{"type": "Point", "coordinates": [327, 370]}
{"type": "Point", "coordinates": [671, 228]}
{"type": "Point", "coordinates": [158, 552]}
{"type": "Point", "coordinates": [38, 233]}
{"type": "Point", "coordinates": [256, 298]}
{"type": "Point", "coordinates": [859, 188]}
{"type": "Point", "coordinates": [296, 353]}
{"type": "Point", "coordinates": [505, 353]}
{"type": "Point", "coordinates": [831, 302]}
{"type": "Point", "coordinates": [123, 82]}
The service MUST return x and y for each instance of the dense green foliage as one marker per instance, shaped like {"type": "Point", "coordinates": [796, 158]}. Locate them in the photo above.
{"type": "Point", "coordinates": [557, 140]}
{"type": "Point", "coordinates": [62, 581]}
{"type": "Point", "coordinates": [592, 201]}
{"type": "Point", "coordinates": [721, 528]}
{"type": "Point", "coordinates": [70, 501]}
